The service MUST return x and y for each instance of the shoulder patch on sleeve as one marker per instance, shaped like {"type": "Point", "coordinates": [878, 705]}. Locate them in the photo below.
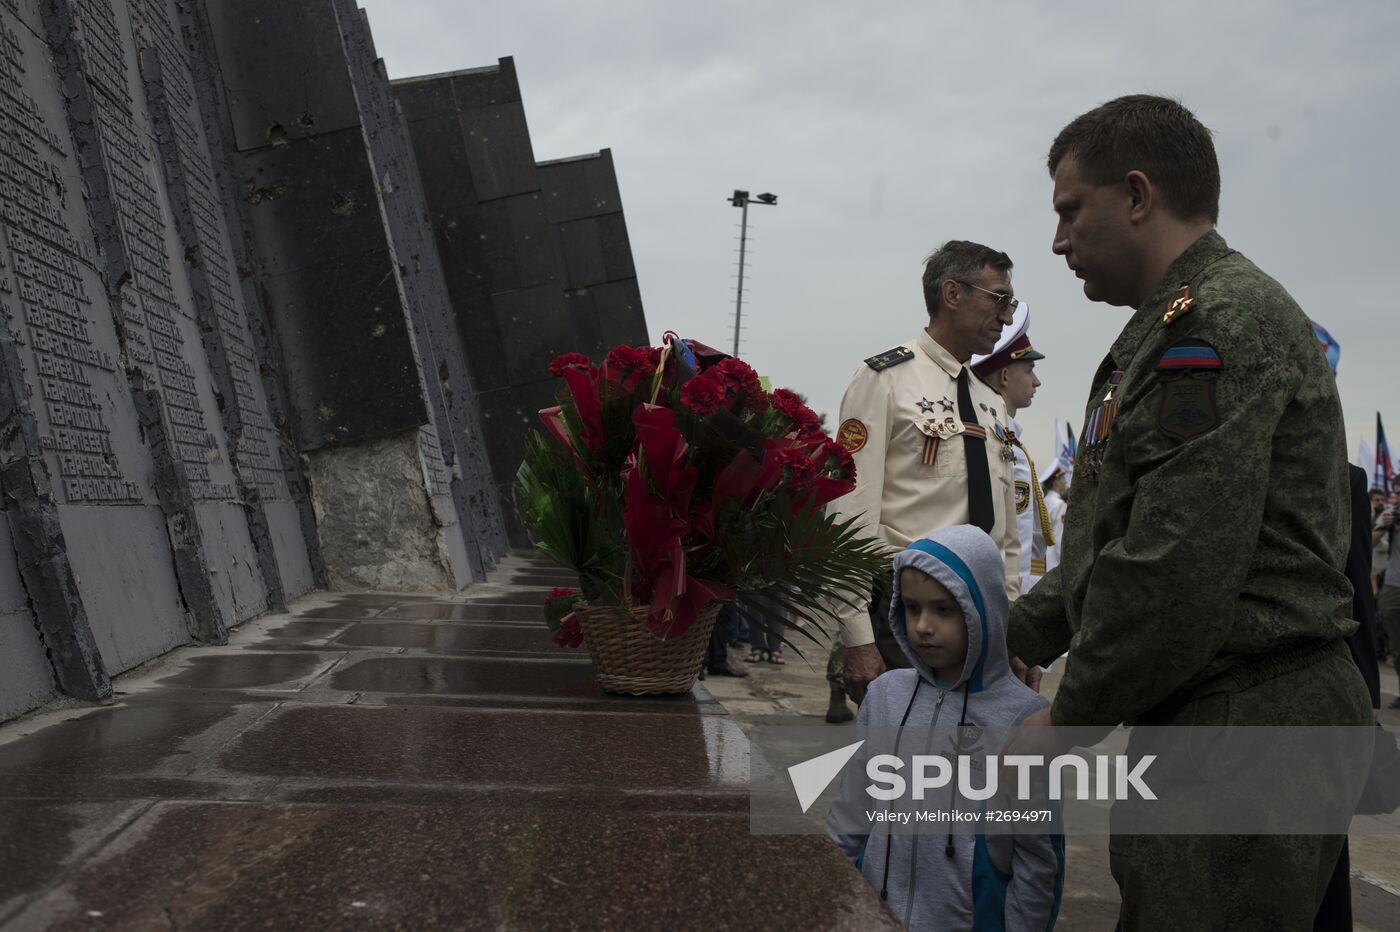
{"type": "Point", "coordinates": [890, 358]}
{"type": "Point", "coordinates": [1190, 354]}
{"type": "Point", "coordinates": [1023, 496]}
{"type": "Point", "coordinates": [1188, 371]}
{"type": "Point", "coordinates": [852, 435]}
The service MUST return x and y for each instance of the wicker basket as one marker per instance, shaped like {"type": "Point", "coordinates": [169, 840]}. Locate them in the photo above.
{"type": "Point", "coordinates": [628, 658]}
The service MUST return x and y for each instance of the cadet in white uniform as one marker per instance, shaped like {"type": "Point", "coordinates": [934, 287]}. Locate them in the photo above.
{"type": "Point", "coordinates": [1010, 371]}
{"type": "Point", "coordinates": [1052, 481]}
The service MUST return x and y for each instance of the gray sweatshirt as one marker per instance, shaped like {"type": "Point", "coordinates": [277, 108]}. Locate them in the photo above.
{"type": "Point", "coordinates": [998, 881]}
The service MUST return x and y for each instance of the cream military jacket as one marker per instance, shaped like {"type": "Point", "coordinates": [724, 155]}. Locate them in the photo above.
{"type": "Point", "coordinates": [1033, 518]}
{"type": "Point", "coordinates": [898, 496]}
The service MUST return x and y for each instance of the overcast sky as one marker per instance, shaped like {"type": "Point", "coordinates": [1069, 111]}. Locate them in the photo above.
{"type": "Point", "coordinates": [887, 128]}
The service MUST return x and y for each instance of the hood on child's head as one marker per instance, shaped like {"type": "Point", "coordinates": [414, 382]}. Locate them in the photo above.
{"type": "Point", "coordinates": [968, 564]}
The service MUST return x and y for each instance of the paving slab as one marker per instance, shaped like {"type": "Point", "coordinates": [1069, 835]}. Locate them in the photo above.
{"type": "Point", "coordinates": [398, 761]}
{"type": "Point", "coordinates": [240, 866]}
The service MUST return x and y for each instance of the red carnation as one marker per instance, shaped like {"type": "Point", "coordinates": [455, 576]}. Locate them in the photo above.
{"type": "Point", "coordinates": [558, 592]}
{"type": "Point", "coordinates": [845, 463]}
{"type": "Point", "coordinates": [790, 406]}
{"type": "Point", "coordinates": [800, 462]}
{"type": "Point", "coordinates": [569, 361]}
{"type": "Point", "coordinates": [703, 395]}
{"type": "Point", "coordinates": [631, 364]}
{"type": "Point", "coordinates": [627, 358]}
{"type": "Point", "coordinates": [740, 381]}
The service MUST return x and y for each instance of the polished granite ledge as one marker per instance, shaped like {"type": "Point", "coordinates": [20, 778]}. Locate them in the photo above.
{"type": "Point", "coordinates": [219, 866]}
{"type": "Point", "coordinates": [389, 761]}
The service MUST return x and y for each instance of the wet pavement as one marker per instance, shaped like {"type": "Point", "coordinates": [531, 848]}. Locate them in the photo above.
{"type": "Point", "coordinates": [407, 762]}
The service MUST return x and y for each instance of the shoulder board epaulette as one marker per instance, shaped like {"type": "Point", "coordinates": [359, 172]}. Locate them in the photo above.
{"type": "Point", "coordinates": [890, 358]}
{"type": "Point", "coordinates": [1179, 306]}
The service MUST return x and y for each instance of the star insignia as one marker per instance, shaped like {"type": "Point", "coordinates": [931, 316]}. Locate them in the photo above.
{"type": "Point", "coordinates": [925, 405]}
{"type": "Point", "coordinates": [947, 405]}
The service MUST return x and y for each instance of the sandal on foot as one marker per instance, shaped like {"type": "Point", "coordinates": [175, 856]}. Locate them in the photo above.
{"type": "Point", "coordinates": [776, 658]}
{"type": "Point", "coordinates": [756, 656]}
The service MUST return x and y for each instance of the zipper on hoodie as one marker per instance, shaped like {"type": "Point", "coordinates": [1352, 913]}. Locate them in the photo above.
{"type": "Point", "coordinates": [942, 694]}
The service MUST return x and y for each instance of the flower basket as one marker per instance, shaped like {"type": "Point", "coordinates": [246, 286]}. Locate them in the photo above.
{"type": "Point", "coordinates": [672, 480]}
{"type": "Point", "coordinates": [629, 659]}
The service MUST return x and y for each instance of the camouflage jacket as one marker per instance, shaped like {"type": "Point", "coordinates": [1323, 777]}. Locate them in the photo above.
{"type": "Point", "coordinates": [1209, 527]}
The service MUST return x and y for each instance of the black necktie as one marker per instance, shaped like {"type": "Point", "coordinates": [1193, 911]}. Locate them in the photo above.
{"type": "Point", "coordinates": [980, 510]}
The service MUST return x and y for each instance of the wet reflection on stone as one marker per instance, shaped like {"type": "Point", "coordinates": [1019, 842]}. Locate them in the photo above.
{"type": "Point", "coordinates": [481, 610]}
{"type": "Point", "coordinates": [727, 750]}
{"type": "Point", "coordinates": [248, 670]}
{"type": "Point", "coordinates": [166, 737]}
{"type": "Point", "coordinates": [517, 597]}
{"type": "Point", "coordinates": [350, 609]}
{"type": "Point", "coordinates": [490, 747]}
{"type": "Point", "coordinates": [218, 867]}
{"type": "Point", "coordinates": [100, 788]}
{"type": "Point", "coordinates": [299, 632]}
{"type": "Point", "coordinates": [513, 638]}
{"type": "Point", "coordinates": [544, 579]}
{"type": "Point", "coordinates": [37, 836]}
{"type": "Point", "coordinates": [561, 678]}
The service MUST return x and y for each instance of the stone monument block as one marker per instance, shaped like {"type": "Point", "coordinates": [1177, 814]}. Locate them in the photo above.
{"type": "Point", "coordinates": [368, 352]}
{"type": "Point", "coordinates": [503, 253]}
{"type": "Point", "coordinates": [144, 503]}
{"type": "Point", "coordinates": [585, 208]}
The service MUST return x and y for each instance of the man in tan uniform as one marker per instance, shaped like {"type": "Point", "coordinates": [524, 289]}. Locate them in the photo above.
{"type": "Point", "coordinates": [930, 439]}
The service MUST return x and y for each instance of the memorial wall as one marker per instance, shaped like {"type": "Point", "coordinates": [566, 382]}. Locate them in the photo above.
{"type": "Point", "coordinates": [247, 351]}
{"type": "Point", "coordinates": [536, 257]}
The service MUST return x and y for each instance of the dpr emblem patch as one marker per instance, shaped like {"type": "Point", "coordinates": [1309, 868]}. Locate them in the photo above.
{"type": "Point", "coordinates": [1187, 373]}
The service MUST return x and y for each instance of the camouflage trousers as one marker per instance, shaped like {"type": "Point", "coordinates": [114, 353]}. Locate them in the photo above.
{"type": "Point", "coordinates": [1242, 883]}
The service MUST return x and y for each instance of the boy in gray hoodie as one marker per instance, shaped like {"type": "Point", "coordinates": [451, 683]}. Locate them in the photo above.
{"type": "Point", "coordinates": [948, 612]}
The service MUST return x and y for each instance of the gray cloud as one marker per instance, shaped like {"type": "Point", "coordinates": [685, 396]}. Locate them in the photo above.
{"type": "Point", "coordinates": [887, 128]}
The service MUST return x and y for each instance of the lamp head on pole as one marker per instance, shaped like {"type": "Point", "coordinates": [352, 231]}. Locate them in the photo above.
{"type": "Point", "coordinates": [740, 198]}
{"type": "Point", "coordinates": [769, 199]}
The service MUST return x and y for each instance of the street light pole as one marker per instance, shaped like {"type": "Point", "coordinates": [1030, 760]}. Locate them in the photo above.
{"type": "Point", "coordinates": [741, 200]}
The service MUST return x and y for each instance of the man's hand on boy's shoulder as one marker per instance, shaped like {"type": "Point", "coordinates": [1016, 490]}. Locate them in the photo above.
{"type": "Point", "coordinates": [1030, 675]}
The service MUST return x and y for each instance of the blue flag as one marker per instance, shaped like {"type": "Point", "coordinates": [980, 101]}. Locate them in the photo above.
{"type": "Point", "coordinates": [1330, 347]}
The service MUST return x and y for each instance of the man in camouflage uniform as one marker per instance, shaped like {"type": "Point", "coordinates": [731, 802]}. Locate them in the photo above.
{"type": "Point", "coordinates": [1202, 575]}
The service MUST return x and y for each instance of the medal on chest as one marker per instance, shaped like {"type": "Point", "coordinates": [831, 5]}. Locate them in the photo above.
{"type": "Point", "coordinates": [1095, 439]}
{"type": "Point", "coordinates": [936, 429]}
{"type": "Point", "coordinates": [1007, 436]}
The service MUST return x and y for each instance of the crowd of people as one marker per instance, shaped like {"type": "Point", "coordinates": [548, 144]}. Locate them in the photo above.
{"type": "Point", "coordinates": [1199, 574]}
{"type": "Point", "coordinates": [1385, 576]}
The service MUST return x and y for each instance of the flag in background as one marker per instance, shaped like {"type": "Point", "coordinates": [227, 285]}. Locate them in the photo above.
{"type": "Point", "coordinates": [1381, 475]}
{"type": "Point", "coordinates": [1366, 459]}
{"type": "Point", "coordinates": [1330, 347]}
{"type": "Point", "coordinates": [1065, 449]}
